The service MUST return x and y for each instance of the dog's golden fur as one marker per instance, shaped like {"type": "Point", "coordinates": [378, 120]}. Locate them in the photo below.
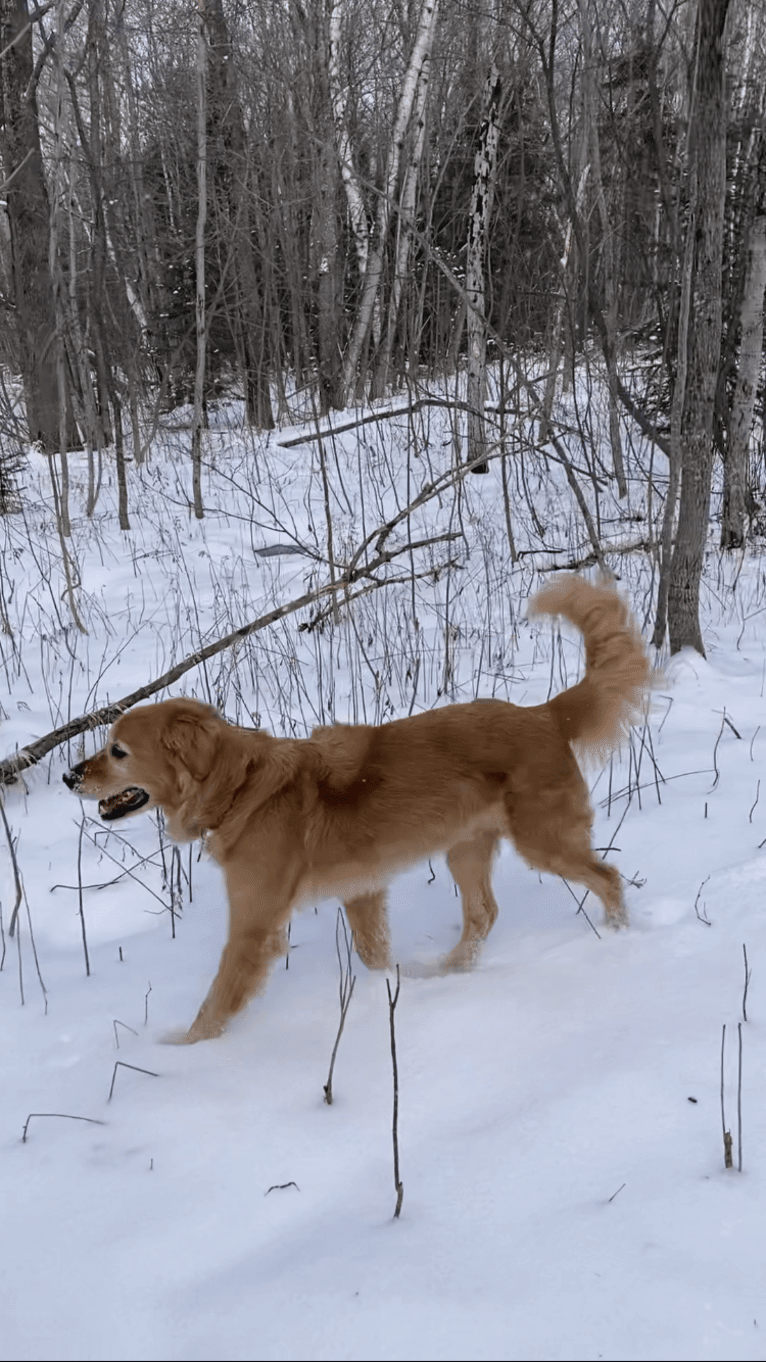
{"type": "Point", "coordinates": [291, 820]}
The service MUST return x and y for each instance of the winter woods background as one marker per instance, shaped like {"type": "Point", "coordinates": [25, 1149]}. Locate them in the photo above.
{"type": "Point", "coordinates": [276, 280]}
{"type": "Point", "coordinates": [316, 204]}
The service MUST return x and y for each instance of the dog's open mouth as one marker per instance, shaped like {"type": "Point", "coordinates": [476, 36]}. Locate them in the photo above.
{"type": "Point", "coordinates": [127, 801]}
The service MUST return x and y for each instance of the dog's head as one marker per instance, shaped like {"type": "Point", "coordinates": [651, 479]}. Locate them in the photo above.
{"type": "Point", "coordinates": [159, 755]}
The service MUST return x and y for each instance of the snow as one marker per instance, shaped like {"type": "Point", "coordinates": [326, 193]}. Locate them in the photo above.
{"type": "Point", "coordinates": [564, 1196]}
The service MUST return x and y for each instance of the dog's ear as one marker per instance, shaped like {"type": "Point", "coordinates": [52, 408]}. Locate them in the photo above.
{"type": "Point", "coordinates": [343, 751]}
{"type": "Point", "coordinates": [193, 739]}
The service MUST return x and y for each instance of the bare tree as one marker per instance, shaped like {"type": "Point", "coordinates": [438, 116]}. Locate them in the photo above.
{"type": "Point", "coordinates": [610, 290]}
{"type": "Point", "coordinates": [478, 228]}
{"type": "Point", "coordinates": [704, 341]}
{"type": "Point", "coordinates": [743, 404]}
{"type": "Point", "coordinates": [200, 413]}
{"type": "Point", "coordinates": [417, 68]}
{"type": "Point", "coordinates": [28, 211]}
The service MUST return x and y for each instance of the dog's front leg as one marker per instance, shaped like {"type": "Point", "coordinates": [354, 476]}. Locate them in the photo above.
{"type": "Point", "coordinates": [259, 909]}
{"type": "Point", "coordinates": [368, 920]}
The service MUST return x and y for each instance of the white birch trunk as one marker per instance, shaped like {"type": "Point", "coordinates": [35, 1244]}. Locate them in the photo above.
{"type": "Point", "coordinates": [557, 346]}
{"type": "Point", "coordinates": [370, 291]}
{"type": "Point", "coordinates": [478, 222]}
{"type": "Point", "coordinates": [354, 197]}
{"type": "Point", "coordinates": [407, 205]}
{"type": "Point", "coordinates": [743, 404]}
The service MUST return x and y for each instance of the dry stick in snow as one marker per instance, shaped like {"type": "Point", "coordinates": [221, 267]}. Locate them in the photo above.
{"type": "Point", "coordinates": [728, 1162]}
{"type": "Point", "coordinates": [61, 1116]}
{"type": "Point", "coordinates": [117, 1023]}
{"type": "Point", "coordinates": [700, 916]}
{"type": "Point", "coordinates": [16, 876]}
{"type": "Point", "coordinates": [79, 892]}
{"type": "Point", "coordinates": [176, 904]}
{"type": "Point", "coordinates": [715, 754]}
{"type": "Point", "coordinates": [392, 1001]}
{"type": "Point", "coordinates": [739, 1101]}
{"type": "Point", "coordinates": [345, 991]}
{"type": "Point", "coordinates": [120, 1064]}
{"type": "Point", "coordinates": [34, 949]}
{"type": "Point", "coordinates": [747, 981]}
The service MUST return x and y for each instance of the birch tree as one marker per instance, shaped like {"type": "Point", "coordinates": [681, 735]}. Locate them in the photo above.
{"type": "Point", "coordinates": [339, 99]}
{"type": "Point", "coordinates": [478, 228]}
{"type": "Point", "coordinates": [704, 347]}
{"type": "Point", "coordinates": [419, 58]}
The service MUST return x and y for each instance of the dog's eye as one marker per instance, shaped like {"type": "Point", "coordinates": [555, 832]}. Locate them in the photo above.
{"type": "Point", "coordinates": [117, 751]}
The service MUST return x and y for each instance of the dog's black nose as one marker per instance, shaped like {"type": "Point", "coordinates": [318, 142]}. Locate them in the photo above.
{"type": "Point", "coordinates": [72, 778]}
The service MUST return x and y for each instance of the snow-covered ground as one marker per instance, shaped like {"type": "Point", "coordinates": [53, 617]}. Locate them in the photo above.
{"type": "Point", "coordinates": [560, 1110]}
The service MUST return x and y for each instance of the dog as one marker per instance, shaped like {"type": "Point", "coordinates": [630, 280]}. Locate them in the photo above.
{"type": "Point", "coordinates": [339, 813]}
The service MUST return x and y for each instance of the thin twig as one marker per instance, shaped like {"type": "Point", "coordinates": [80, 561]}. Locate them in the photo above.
{"type": "Point", "coordinates": [727, 1159]}
{"type": "Point", "coordinates": [117, 1023]}
{"type": "Point", "coordinates": [747, 981]}
{"type": "Point", "coordinates": [739, 1101]}
{"type": "Point", "coordinates": [728, 721]}
{"type": "Point", "coordinates": [715, 753]}
{"type": "Point", "coordinates": [702, 918]}
{"type": "Point", "coordinates": [79, 891]}
{"type": "Point", "coordinates": [34, 947]}
{"type": "Point", "coordinates": [175, 889]}
{"type": "Point", "coordinates": [16, 876]}
{"type": "Point", "coordinates": [398, 1184]}
{"type": "Point", "coordinates": [62, 1116]}
{"type": "Point", "coordinates": [345, 990]}
{"type": "Point", "coordinates": [120, 1064]}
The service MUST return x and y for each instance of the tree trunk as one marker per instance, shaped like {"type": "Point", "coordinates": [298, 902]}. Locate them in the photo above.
{"type": "Point", "coordinates": [743, 404]}
{"type": "Point", "coordinates": [705, 332]}
{"type": "Point", "coordinates": [610, 290]}
{"type": "Point", "coordinates": [407, 204]}
{"type": "Point", "coordinates": [354, 197]}
{"type": "Point", "coordinates": [199, 375]}
{"type": "Point", "coordinates": [370, 293]}
{"type": "Point", "coordinates": [478, 224]}
{"type": "Point", "coordinates": [29, 222]}
{"type": "Point", "coordinates": [231, 185]}
{"type": "Point", "coordinates": [676, 419]}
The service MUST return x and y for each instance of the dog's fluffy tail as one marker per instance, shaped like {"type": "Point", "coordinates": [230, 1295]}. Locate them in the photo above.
{"type": "Point", "coordinates": [596, 712]}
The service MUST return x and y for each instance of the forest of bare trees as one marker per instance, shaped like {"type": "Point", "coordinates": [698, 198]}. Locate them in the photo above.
{"type": "Point", "coordinates": [333, 200]}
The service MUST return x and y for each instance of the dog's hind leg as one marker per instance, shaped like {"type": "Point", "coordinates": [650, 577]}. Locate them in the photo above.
{"type": "Point", "coordinates": [368, 920]}
{"type": "Point", "coordinates": [470, 864]}
{"type": "Point", "coordinates": [553, 834]}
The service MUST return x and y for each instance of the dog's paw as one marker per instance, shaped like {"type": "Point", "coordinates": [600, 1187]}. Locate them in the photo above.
{"type": "Point", "coordinates": [421, 969]}
{"type": "Point", "coordinates": [177, 1036]}
{"type": "Point", "coordinates": [196, 1032]}
{"type": "Point", "coordinates": [617, 922]}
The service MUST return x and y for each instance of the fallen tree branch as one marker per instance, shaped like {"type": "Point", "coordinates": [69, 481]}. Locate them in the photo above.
{"type": "Point", "coordinates": [354, 572]}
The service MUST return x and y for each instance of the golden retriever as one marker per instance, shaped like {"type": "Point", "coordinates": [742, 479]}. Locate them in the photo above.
{"type": "Point", "coordinates": [339, 813]}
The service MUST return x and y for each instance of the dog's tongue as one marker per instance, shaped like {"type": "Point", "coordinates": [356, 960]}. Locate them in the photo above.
{"type": "Point", "coordinates": [127, 801]}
